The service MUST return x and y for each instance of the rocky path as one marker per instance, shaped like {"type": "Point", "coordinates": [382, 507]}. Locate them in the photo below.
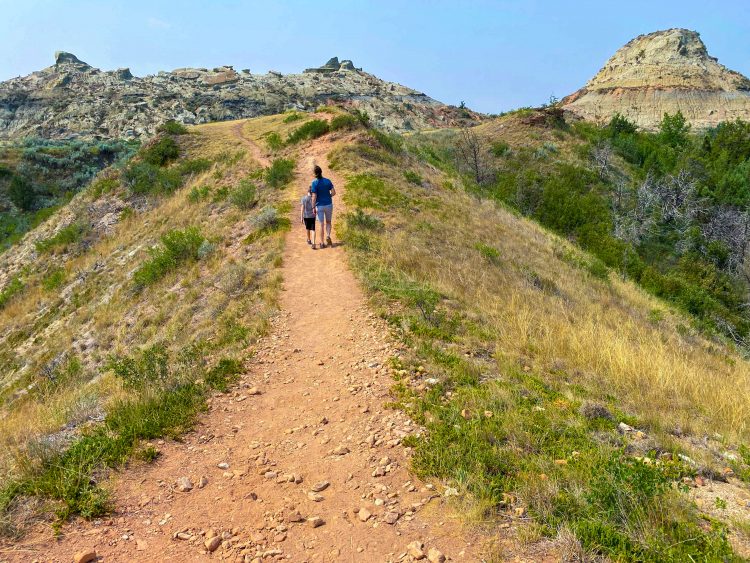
{"type": "Point", "coordinates": [300, 462]}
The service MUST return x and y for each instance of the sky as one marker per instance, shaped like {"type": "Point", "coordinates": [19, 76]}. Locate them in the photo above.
{"type": "Point", "coordinates": [493, 55]}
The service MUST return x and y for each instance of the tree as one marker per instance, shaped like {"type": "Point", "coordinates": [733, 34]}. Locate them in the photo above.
{"type": "Point", "coordinates": [674, 130]}
{"type": "Point", "coordinates": [21, 193]}
{"type": "Point", "coordinates": [472, 155]}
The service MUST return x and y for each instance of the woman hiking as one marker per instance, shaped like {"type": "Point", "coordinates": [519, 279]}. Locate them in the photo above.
{"type": "Point", "coordinates": [322, 191]}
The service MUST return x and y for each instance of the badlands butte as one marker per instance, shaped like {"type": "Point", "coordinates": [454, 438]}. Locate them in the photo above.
{"type": "Point", "coordinates": [528, 341]}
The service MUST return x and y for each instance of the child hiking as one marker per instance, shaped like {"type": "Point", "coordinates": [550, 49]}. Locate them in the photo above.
{"type": "Point", "coordinates": [322, 191]}
{"type": "Point", "coordinates": [307, 214]}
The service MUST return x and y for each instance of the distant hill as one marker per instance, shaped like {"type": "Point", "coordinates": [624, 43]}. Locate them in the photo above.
{"type": "Point", "coordinates": [663, 72]}
{"type": "Point", "coordinates": [74, 99]}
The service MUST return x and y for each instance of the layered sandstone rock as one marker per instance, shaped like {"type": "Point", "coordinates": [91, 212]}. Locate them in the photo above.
{"type": "Point", "coordinates": [663, 72]}
{"type": "Point", "coordinates": [73, 99]}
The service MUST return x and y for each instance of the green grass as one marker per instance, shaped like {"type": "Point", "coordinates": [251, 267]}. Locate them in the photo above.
{"type": "Point", "coordinates": [274, 141]}
{"type": "Point", "coordinates": [14, 287]}
{"type": "Point", "coordinates": [69, 479]}
{"type": "Point", "coordinates": [280, 173]}
{"type": "Point", "coordinates": [490, 253]}
{"type": "Point", "coordinates": [64, 238]}
{"type": "Point", "coordinates": [199, 193]}
{"type": "Point", "coordinates": [293, 116]}
{"type": "Point", "coordinates": [413, 177]}
{"type": "Point", "coordinates": [172, 127]}
{"type": "Point", "coordinates": [371, 192]}
{"type": "Point", "coordinates": [344, 122]}
{"type": "Point", "coordinates": [310, 130]}
{"type": "Point", "coordinates": [177, 247]}
{"type": "Point", "coordinates": [145, 178]}
{"type": "Point", "coordinates": [268, 221]}
{"type": "Point", "coordinates": [54, 279]}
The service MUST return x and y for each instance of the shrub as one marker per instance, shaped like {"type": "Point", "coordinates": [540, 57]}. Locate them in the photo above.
{"type": "Point", "coordinates": [266, 222]}
{"type": "Point", "coordinates": [13, 288]}
{"type": "Point", "coordinates": [63, 238]}
{"type": "Point", "coordinates": [490, 253]}
{"type": "Point", "coordinates": [274, 141]}
{"type": "Point", "coordinates": [172, 127]}
{"type": "Point", "coordinates": [161, 152]}
{"type": "Point", "coordinates": [500, 148]}
{"type": "Point", "coordinates": [193, 166]}
{"type": "Point", "coordinates": [149, 367]}
{"type": "Point", "coordinates": [244, 195]}
{"type": "Point", "coordinates": [198, 193]}
{"type": "Point", "coordinates": [21, 193]}
{"type": "Point", "coordinates": [177, 247]}
{"type": "Point", "coordinates": [54, 279]}
{"type": "Point", "coordinates": [362, 220]}
{"type": "Point", "coordinates": [344, 121]}
{"type": "Point", "coordinates": [225, 372]}
{"type": "Point", "coordinates": [103, 186]}
{"type": "Point", "coordinates": [292, 116]}
{"type": "Point", "coordinates": [363, 118]}
{"type": "Point", "coordinates": [413, 177]}
{"type": "Point", "coordinates": [145, 178]}
{"type": "Point", "coordinates": [390, 142]}
{"type": "Point", "coordinates": [308, 131]}
{"type": "Point", "coordinates": [280, 173]}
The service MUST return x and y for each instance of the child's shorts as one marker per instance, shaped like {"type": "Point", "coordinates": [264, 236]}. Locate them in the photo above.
{"type": "Point", "coordinates": [310, 223]}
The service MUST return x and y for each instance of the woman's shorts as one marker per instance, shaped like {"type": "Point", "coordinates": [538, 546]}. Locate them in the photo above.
{"type": "Point", "coordinates": [310, 223]}
{"type": "Point", "coordinates": [325, 212]}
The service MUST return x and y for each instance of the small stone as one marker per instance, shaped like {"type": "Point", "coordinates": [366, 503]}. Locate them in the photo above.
{"type": "Point", "coordinates": [416, 550]}
{"type": "Point", "coordinates": [624, 428]}
{"type": "Point", "coordinates": [184, 484]}
{"type": "Point", "coordinates": [212, 543]}
{"type": "Point", "coordinates": [466, 413]}
{"type": "Point", "coordinates": [391, 518]}
{"type": "Point", "coordinates": [321, 486]}
{"type": "Point", "coordinates": [316, 521]}
{"type": "Point", "coordinates": [203, 482]}
{"type": "Point", "coordinates": [295, 517]}
{"type": "Point", "coordinates": [85, 556]}
{"type": "Point", "coordinates": [520, 512]}
{"type": "Point", "coordinates": [223, 465]}
{"type": "Point", "coordinates": [435, 556]}
{"type": "Point", "coordinates": [141, 545]}
{"type": "Point", "coordinates": [364, 514]}
{"type": "Point", "coordinates": [384, 461]}
{"type": "Point", "coordinates": [278, 538]}
{"type": "Point", "coordinates": [183, 536]}
{"type": "Point", "coordinates": [561, 462]}
{"type": "Point", "coordinates": [253, 391]}
{"type": "Point", "coordinates": [341, 450]}
{"type": "Point", "coordinates": [315, 497]}
{"type": "Point", "coordinates": [270, 474]}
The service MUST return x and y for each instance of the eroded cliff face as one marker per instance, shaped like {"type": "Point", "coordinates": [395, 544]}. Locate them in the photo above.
{"type": "Point", "coordinates": [74, 99]}
{"type": "Point", "coordinates": [663, 72]}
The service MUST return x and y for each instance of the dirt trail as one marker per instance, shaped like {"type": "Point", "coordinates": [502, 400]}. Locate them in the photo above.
{"type": "Point", "coordinates": [319, 418]}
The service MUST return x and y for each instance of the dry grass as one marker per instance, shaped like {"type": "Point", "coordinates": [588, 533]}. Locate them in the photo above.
{"type": "Point", "coordinates": [224, 299]}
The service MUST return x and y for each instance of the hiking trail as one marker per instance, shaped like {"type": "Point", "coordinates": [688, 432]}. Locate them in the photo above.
{"type": "Point", "coordinates": [301, 460]}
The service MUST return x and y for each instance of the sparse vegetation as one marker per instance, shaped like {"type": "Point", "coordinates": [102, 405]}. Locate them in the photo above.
{"type": "Point", "coordinates": [244, 195]}
{"type": "Point", "coordinates": [176, 248]}
{"type": "Point", "coordinates": [307, 131]}
{"type": "Point", "coordinates": [280, 173]}
{"type": "Point", "coordinates": [172, 127]}
{"type": "Point", "coordinates": [63, 239]}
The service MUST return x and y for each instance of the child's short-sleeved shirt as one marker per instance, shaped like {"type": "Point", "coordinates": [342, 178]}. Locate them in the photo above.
{"type": "Point", "coordinates": [307, 207]}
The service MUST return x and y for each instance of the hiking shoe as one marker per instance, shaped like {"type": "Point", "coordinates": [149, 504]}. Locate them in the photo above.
{"type": "Point", "coordinates": [322, 245]}
{"type": "Point", "coordinates": [329, 242]}
{"type": "Point", "coordinates": [309, 242]}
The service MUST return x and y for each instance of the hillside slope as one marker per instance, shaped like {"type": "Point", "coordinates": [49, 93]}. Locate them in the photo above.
{"type": "Point", "coordinates": [558, 409]}
{"type": "Point", "coordinates": [663, 72]}
{"type": "Point", "coordinates": [73, 99]}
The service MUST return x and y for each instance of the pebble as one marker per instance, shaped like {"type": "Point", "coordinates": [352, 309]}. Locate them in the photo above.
{"type": "Point", "coordinates": [314, 497]}
{"type": "Point", "coordinates": [391, 518]}
{"type": "Point", "coordinates": [341, 450]}
{"type": "Point", "coordinates": [416, 550]}
{"type": "Point", "coordinates": [435, 556]}
{"type": "Point", "coordinates": [85, 556]}
{"type": "Point", "coordinates": [316, 521]}
{"type": "Point", "coordinates": [321, 486]}
{"type": "Point", "coordinates": [223, 465]}
{"type": "Point", "coordinates": [212, 543]}
{"type": "Point", "coordinates": [184, 484]}
{"type": "Point", "coordinates": [203, 482]}
{"type": "Point", "coordinates": [364, 514]}
{"type": "Point", "coordinates": [253, 391]}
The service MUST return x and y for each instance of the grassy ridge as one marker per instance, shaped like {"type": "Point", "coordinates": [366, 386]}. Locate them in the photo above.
{"type": "Point", "coordinates": [113, 368]}
{"type": "Point", "coordinates": [525, 355]}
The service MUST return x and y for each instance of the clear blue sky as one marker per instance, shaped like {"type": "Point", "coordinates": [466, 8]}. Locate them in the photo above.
{"type": "Point", "coordinates": [495, 55]}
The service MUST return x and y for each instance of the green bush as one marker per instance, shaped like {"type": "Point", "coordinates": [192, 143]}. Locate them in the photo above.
{"type": "Point", "coordinates": [362, 117]}
{"type": "Point", "coordinates": [266, 222]}
{"type": "Point", "coordinates": [280, 173]}
{"type": "Point", "coordinates": [222, 374]}
{"type": "Point", "coordinates": [344, 121]}
{"type": "Point", "coordinates": [161, 152]}
{"type": "Point", "coordinates": [65, 237]}
{"type": "Point", "coordinates": [293, 116]}
{"type": "Point", "coordinates": [500, 148]}
{"type": "Point", "coordinates": [177, 248]}
{"type": "Point", "coordinates": [54, 279]}
{"type": "Point", "coordinates": [274, 141]}
{"type": "Point", "coordinates": [172, 127]}
{"type": "Point", "coordinates": [145, 178]}
{"type": "Point", "coordinates": [193, 166]}
{"type": "Point", "coordinates": [244, 195]}
{"type": "Point", "coordinates": [490, 253]}
{"type": "Point", "coordinates": [14, 287]}
{"type": "Point", "coordinates": [21, 193]}
{"type": "Point", "coordinates": [103, 186]}
{"type": "Point", "coordinates": [308, 131]}
{"type": "Point", "coordinates": [150, 367]}
{"type": "Point", "coordinates": [390, 142]}
{"type": "Point", "coordinates": [199, 193]}
{"type": "Point", "coordinates": [413, 177]}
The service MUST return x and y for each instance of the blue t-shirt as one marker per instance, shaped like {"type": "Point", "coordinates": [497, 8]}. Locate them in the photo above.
{"type": "Point", "coordinates": [322, 188]}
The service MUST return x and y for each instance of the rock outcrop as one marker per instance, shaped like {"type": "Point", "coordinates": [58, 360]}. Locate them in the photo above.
{"type": "Point", "coordinates": [663, 72]}
{"type": "Point", "coordinates": [73, 99]}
